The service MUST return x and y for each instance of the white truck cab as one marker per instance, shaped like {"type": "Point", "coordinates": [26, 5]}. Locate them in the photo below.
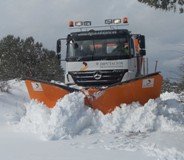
{"type": "Point", "coordinates": [102, 57]}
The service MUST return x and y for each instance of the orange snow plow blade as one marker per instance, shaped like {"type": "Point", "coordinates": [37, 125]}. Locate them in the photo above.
{"type": "Point", "coordinates": [137, 90]}
{"type": "Point", "coordinates": [106, 100]}
{"type": "Point", "coordinates": [47, 93]}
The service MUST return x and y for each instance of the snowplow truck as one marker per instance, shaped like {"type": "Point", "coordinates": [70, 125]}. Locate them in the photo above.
{"type": "Point", "coordinates": [107, 64]}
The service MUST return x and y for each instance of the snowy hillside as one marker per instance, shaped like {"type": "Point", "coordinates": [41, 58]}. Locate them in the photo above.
{"type": "Point", "coordinates": [72, 130]}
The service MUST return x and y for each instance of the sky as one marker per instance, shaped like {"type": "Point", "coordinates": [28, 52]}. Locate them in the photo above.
{"type": "Point", "coordinates": [47, 20]}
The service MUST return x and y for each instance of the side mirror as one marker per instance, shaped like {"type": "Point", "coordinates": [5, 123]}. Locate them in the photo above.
{"type": "Point", "coordinates": [58, 47]}
{"type": "Point", "coordinates": [142, 42]}
{"type": "Point", "coordinates": [76, 45]}
{"type": "Point", "coordinates": [142, 52]}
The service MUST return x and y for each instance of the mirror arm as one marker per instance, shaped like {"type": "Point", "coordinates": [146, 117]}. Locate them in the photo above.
{"type": "Point", "coordinates": [58, 47]}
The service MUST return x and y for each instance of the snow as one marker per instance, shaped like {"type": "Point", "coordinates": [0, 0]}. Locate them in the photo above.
{"type": "Point", "coordinates": [29, 130]}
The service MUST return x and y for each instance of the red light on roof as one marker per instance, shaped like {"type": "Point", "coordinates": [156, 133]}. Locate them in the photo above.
{"type": "Point", "coordinates": [125, 20]}
{"type": "Point", "coordinates": [71, 24]}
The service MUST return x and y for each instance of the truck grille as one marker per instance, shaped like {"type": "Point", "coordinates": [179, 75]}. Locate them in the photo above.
{"type": "Point", "coordinates": [98, 78]}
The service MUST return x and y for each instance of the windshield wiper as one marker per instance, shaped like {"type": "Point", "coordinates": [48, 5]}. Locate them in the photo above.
{"type": "Point", "coordinates": [79, 58]}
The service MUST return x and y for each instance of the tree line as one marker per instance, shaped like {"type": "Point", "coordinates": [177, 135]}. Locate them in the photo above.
{"type": "Point", "coordinates": [25, 58]}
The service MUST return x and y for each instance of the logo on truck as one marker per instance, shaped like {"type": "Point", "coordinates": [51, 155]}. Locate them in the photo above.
{"type": "Point", "coordinates": [97, 75]}
{"type": "Point", "coordinates": [84, 67]}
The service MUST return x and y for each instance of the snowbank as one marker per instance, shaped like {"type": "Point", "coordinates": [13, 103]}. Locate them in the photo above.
{"type": "Point", "coordinates": [155, 129]}
{"type": "Point", "coordinates": [71, 117]}
{"type": "Point", "coordinates": [12, 104]}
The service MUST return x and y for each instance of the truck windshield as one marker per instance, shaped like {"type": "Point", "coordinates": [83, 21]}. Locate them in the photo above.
{"type": "Point", "coordinates": [98, 49]}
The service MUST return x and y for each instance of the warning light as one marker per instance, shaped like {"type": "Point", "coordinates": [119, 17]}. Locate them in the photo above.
{"type": "Point", "coordinates": [108, 21]}
{"type": "Point", "coordinates": [79, 23]}
{"type": "Point", "coordinates": [125, 20]}
{"type": "Point", "coordinates": [71, 24]}
{"type": "Point", "coordinates": [117, 21]}
{"type": "Point", "coordinates": [87, 23]}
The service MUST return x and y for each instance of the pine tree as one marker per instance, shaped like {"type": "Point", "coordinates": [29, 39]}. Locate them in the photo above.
{"type": "Point", "coordinates": [165, 4]}
{"type": "Point", "coordinates": [27, 59]}
{"type": "Point", "coordinates": [9, 51]}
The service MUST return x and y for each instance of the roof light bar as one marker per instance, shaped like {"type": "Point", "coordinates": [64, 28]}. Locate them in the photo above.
{"type": "Point", "coordinates": [116, 21]}
{"type": "Point", "coordinates": [87, 24]}
{"type": "Point", "coordinates": [79, 23]}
